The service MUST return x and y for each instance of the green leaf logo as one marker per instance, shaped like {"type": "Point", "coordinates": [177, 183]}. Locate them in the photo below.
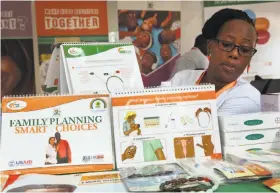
{"type": "Point", "coordinates": [74, 51]}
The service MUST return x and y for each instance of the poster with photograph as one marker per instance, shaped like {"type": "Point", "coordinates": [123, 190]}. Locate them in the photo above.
{"type": "Point", "coordinates": [156, 36]}
{"type": "Point", "coordinates": [266, 62]}
{"type": "Point", "coordinates": [53, 138]}
{"type": "Point", "coordinates": [163, 125]}
{"type": "Point", "coordinates": [17, 63]}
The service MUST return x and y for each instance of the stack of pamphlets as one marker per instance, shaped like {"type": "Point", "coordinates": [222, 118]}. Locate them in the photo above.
{"type": "Point", "coordinates": [269, 159]}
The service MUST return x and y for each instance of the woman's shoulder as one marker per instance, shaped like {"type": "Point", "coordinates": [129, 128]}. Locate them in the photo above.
{"type": "Point", "coordinates": [186, 77]}
{"type": "Point", "coordinates": [244, 89]}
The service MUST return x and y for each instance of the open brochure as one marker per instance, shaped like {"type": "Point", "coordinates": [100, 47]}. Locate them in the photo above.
{"type": "Point", "coordinates": [161, 125]}
{"type": "Point", "coordinates": [269, 159]}
{"type": "Point", "coordinates": [98, 67]}
{"type": "Point", "coordinates": [56, 134]}
{"type": "Point", "coordinates": [88, 182]}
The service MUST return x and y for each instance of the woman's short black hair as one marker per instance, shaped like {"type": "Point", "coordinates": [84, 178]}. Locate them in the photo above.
{"type": "Point", "coordinates": [213, 25]}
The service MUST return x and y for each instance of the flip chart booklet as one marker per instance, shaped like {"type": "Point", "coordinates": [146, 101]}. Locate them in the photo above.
{"type": "Point", "coordinates": [43, 183]}
{"type": "Point", "coordinates": [56, 134]}
{"type": "Point", "coordinates": [51, 82]}
{"type": "Point", "coordinates": [98, 67]}
{"type": "Point", "coordinates": [158, 125]}
{"type": "Point", "coordinates": [85, 182]}
{"type": "Point", "coordinates": [273, 183]}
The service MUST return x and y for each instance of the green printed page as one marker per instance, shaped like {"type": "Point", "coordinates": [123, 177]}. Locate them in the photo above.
{"type": "Point", "coordinates": [101, 67]}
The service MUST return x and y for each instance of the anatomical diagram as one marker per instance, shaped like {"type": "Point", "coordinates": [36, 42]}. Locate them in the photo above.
{"type": "Point", "coordinates": [184, 147]}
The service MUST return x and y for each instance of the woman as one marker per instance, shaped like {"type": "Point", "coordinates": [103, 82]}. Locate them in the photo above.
{"type": "Point", "coordinates": [232, 38]}
{"type": "Point", "coordinates": [129, 125]}
{"type": "Point", "coordinates": [148, 62]}
{"type": "Point", "coordinates": [51, 152]}
{"type": "Point", "coordinates": [17, 69]}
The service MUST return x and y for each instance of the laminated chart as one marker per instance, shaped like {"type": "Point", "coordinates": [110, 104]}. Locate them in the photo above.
{"type": "Point", "coordinates": [157, 125]}
{"type": "Point", "coordinates": [56, 134]}
{"type": "Point", "coordinates": [99, 67]}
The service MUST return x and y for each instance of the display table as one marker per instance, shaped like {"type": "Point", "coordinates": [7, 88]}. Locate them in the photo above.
{"type": "Point", "coordinates": [256, 186]}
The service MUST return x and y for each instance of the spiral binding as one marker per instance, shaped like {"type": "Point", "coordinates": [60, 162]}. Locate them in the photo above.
{"type": "Point", "coordinates": [50, 95]}
{"type": "Point", "coordinates": [156, 89]}
{"type": "Point", "coordinates": [96, 43]}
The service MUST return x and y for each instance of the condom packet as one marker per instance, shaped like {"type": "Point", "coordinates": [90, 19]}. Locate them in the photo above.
{"type": "Point", "coordinates": [150, 177]}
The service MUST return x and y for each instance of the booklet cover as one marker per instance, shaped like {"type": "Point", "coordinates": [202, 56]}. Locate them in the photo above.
{"type": "Point", "coordinates": [101, 182]}
{"type": "Point", "coordinates": [86, 182]}
{"type": "Point", "coordinates": [269, 159]}
{"type": "Point", "coordinates": [100, 67]}
{"type": "Point", "coordinates": [273, 183]}
{"type": "Point", "coordinates": [43, 183]}
{"type": "Point", "coordinates": [56, 134]}
{"type": "Point", "coordinates": [158, 125]}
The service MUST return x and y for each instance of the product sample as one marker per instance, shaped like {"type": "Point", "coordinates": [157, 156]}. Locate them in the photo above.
{"type": "Point", "coordinates": [148, 178]}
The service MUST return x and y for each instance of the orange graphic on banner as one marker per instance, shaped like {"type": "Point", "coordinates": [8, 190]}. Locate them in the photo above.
{"type": "Point", "coordinates": [9, 104]}
{"type": "Point", "coordinates": [61, 18]}
{"type": "Point", "coordinates": [163, 98]}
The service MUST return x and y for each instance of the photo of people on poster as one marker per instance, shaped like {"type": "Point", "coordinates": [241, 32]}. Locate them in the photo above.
{"type": "Point", "coordinates": [155, 35]}
{"type": "Point", "coordinates": [58, 151]}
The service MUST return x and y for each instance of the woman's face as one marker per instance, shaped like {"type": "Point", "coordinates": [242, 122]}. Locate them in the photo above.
{"type": "Point", "coordinates": [52, 141]}
{"type": "Point", "coordinates": [147, 60]}
{"type": "Point", "coordinates": [147, 25]}
{"type": "Point", "coordinates": [131, 20]}
{"type": "Point", "coordinates": [168, 35]}
{"type": "Point", "coordinates": [228, 66]}
{"type": "Point", "coordinates": [129, 118]}
{"type": "Point", "coordinates": [10, 75]}
{"type": "Point", "coordinates": [143, 39]}
{"type": "Point", "coordinates": [165, 52]}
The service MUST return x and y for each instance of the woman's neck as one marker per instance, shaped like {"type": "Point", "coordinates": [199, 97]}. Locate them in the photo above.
{"type": "Point", "coordinates": [207, 78]}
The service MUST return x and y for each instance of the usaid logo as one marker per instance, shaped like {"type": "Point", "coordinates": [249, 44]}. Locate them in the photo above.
{"type": "Point", "coordinates": [16, 105]}
{"type": "Point", "coordinates": [19, 163]}
{"type": "Point", "coordinates": [12, 163]}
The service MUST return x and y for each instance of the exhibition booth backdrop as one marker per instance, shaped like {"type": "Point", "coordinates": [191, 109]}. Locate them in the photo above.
{"type": "Point", "coordinates": [40, 26]}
